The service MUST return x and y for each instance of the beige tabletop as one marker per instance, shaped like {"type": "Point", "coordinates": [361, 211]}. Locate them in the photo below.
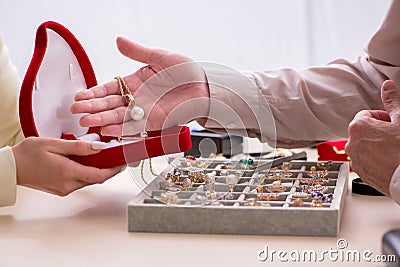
{"type": "Point", "coordinates": [89, 228]}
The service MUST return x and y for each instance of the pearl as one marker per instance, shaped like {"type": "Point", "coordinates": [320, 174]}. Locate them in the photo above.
{"type": "Point", "coordinates": [187, 183]}
{"type": "Point", "coordinates": [137, 113]}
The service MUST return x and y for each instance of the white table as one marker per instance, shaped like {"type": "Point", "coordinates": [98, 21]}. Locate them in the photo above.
{"type": "Point", "coordinates": [89, 228]}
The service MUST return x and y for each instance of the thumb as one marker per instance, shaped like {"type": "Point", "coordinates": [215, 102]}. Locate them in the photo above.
{"type": "Point", "coordinates": [391, 99]}
{"type": "Point", "coordinates": [74, 147]}
{"type": "Point", "coordinates": [137, 52]}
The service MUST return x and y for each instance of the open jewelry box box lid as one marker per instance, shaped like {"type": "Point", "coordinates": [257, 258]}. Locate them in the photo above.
{"type": "Point", "coordinates": [58, 70]}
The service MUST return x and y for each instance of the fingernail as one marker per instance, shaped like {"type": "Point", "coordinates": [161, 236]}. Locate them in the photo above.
{"type": "Point", "coordinates": [389, 88]}
{"type": "Point", "coordinates": [98, 145]}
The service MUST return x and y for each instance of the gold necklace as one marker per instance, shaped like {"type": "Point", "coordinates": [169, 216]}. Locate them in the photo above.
{"type": "Point", "coordinates": [142, 170]}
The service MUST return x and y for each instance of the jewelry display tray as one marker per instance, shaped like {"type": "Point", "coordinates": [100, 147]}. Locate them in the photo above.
{"type": "Point", "coordinates": [146, 213]}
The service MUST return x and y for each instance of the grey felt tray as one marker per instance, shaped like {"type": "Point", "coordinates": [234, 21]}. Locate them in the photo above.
{"type": "Point", "coordinates": [146, 213]}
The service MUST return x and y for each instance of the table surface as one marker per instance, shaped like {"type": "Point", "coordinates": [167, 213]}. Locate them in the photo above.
{"type": "Point", "coordinates": [89, 228]}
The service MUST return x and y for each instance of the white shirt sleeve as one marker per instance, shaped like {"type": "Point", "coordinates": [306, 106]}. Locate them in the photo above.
{"type": "Point", "coordinates": [308, 105]}
{"type": "Point", "coordinates": [10, 129]}
{"type": "Point", "coordinates": [8, 177]}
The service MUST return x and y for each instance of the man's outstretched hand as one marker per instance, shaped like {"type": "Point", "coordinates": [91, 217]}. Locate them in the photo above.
{"type": "Point", "coordinates": [171, 89]}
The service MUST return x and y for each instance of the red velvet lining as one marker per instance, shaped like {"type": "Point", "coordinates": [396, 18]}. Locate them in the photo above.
{"type": "Point", "coordinates": [26, 114]}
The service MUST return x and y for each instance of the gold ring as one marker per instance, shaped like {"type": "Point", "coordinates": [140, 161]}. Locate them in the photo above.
{"type": "Point", "coordinates": [276, 187]}
{"type": "Point", "coordinates": [251, 202]}
{"type": "Point", "coordinates": [169, 197]}
{"type": "Point", "coordinates": [301, 195]}
{"type": "Point", "coordinates": [316, 202]}
{"type": "Point", "coordinates": [268, 197]}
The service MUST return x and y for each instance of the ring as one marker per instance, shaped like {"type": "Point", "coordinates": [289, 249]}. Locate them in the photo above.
{"type": "Point", "coordinates": [196, 176]}
{"type": "Point", "coordinates": [174, 177]}
{"type": "Point", "coordinates": [298, 202]}
{"type": "Point", "coordinates": [276, 187]}
{"type": "Point", "coordinates": [301, 195]}
{"type": "Point", "coordinates": [260, 189]}
{"type": "Point", "coordinates": [325, 165]}
{"type": "Point", "coordinates": [167, 183]}
{"type": "Point", "coordinates": [286, 166]}
{"type": "Point", "coordinates": [215, 204]}
{"type": "Point", "coordinates": [251, 202]}
{"type": "Point", "coordinates": [317, 189]}
{"type": "Point", "coordinates": [316, 202]}
{"type": "Point", "coordinates": [327, 199]}
{"type": "Point", "coordinates": [169, 197]}
{"type": "Point", "coordinates": [247, 164]}
{"type": "Point", "coordinates": [137, 113]}
{"type": "Point", "coordinates": [268, 197]}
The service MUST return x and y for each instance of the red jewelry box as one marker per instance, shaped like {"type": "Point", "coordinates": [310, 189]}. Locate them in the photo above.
{"type": "Point", "coordinates": [332, 150]}
{"type": "Point", "coordinates": [58, 70]}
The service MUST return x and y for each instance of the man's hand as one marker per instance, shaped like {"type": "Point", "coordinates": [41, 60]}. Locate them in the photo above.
{"type": "Point", "coordinates": [374, 144]}
{"type": "Point", "coordinates": [171, 89]}
{"type": "Point", "coordinates": [42, 164]}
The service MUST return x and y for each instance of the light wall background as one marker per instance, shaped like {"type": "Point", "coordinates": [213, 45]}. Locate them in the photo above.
{"type": "Point", "coordinates": [247, 35]}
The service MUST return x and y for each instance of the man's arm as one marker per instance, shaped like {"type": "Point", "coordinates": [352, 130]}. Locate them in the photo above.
{"type": "Point", "coordinates": [315, 103]}
{"type": "Point", "coordinates": [374, 143]}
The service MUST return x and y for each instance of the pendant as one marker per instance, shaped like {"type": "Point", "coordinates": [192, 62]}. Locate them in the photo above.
{"type": "Point", "coordinates": [137, 113]}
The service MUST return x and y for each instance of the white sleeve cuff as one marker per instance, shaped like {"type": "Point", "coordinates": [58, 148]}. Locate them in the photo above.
{"type": "Point", "coordinates": [394, 187]}
{"type": "Point", "coordinates": [236, 103]}
{"type": "Point", "coordinates": [8, 177]}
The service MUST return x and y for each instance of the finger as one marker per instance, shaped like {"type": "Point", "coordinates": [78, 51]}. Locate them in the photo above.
{"type": "Point", "coordinates": [380, 115]}
{"type": "Point", "coordinates": [139, 53]}
{"type": "Point", "coordinates": [73, 147]}
{"type": "Point", "coordinates": [115, 116]}
{"type": "Point", "coordinates": [102, 90]}
{"type": "Point", "coordinates": [94, 175]}
{"type": "Point", "coordinates": [112, 130]}
{"type": "Point", "coordinates": [391, 99]}
{"type": "Point", "coordinates": [155, 120]}
{"type": "Point", "coordinates": [97, 105]}
{"type": "Point", "coordinates": [373, 114]}
{"type": "Point", "coordinates": [366, 122]}
{"type": "Point", "coordinates": [128, 128]}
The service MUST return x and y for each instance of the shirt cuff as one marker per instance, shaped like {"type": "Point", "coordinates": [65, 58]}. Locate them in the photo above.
{"type": "Point", "coordinates": [394, 187]}
{"type": "Point", "coordinates": [236, 103]}
{"type": "Point", "coordinates": [8, 177]}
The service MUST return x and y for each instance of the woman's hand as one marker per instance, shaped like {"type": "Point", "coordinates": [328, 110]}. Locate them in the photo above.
{"type": "Point", "coordinates": [42, 164]}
